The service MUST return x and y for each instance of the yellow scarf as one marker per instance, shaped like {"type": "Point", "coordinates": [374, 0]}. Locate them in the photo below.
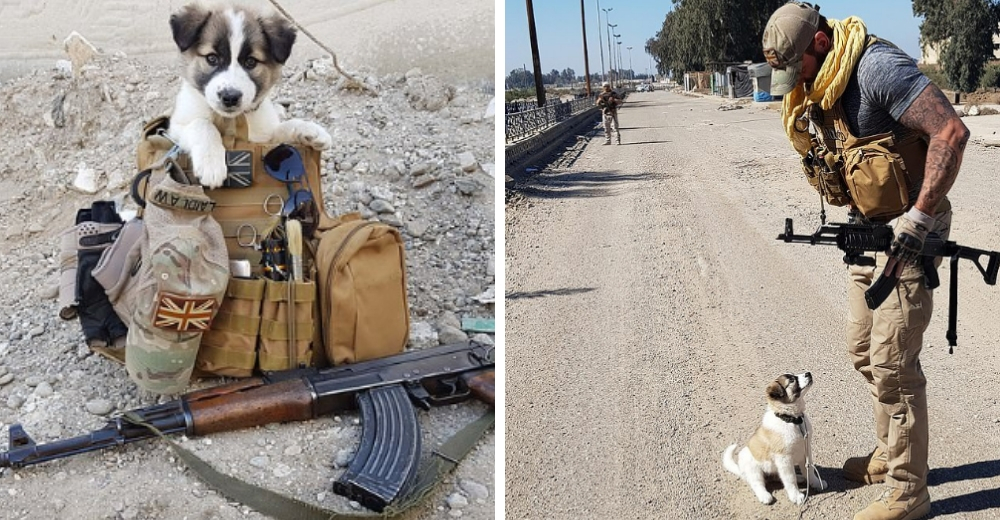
{"type": "Point", "coordinates": [849, 37]}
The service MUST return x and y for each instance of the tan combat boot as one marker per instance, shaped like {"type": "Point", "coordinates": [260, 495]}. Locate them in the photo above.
{"type": "Point", "coordinates": [869, 469]}
{"type": "Point", "coordinates": [894, 506]}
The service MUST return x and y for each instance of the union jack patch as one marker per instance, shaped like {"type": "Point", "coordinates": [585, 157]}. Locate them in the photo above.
{"type": "Point", "coordinates": [183, 313]}
{"type": "Point", "coordinates": [772, 58]}
{"type": "Point", "coordinates": [239, 165]}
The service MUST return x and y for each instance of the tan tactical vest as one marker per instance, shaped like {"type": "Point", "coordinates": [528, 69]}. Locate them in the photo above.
{"type": "Point", "coordinates": [875, 174]}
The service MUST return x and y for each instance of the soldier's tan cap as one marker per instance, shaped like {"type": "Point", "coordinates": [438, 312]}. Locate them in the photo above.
{"type": "Point", "coordinates": [787, 35]}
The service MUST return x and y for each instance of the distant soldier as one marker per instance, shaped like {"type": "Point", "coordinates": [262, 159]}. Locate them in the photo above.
{"type": "Point", "coordinates": [609, 102]}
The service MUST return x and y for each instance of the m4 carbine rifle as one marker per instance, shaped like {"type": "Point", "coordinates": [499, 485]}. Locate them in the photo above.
{"type": "Point", "coordinates": [383, 389]}
{"type": "Point", "coordinates": [857, 239]}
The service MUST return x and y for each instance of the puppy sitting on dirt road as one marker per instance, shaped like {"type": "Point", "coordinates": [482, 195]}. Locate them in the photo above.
{"type": "Point", "coordinates": [232, 59]}
{"type": "Point", "coordinates": [780, 443]}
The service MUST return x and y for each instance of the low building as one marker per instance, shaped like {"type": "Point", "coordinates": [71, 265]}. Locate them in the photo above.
{"type": "Point", "coordinates": [930, 53]}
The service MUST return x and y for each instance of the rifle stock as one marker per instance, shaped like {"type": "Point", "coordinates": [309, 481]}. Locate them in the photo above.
{"type": "Point", "coordinates": [482, 385]}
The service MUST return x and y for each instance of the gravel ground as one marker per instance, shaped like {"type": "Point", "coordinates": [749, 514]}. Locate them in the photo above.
{"type": "Point", "coordinates": [649, 304]}
{"type": "Point", "coordinates": [418, 155]}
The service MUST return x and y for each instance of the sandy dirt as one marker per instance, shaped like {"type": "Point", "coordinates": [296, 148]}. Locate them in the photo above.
{"type": "Point", "coordinates": [649, 304]}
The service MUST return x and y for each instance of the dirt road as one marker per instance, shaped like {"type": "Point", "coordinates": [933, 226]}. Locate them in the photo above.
{"type": "Point", "coordinates": [649, 303]}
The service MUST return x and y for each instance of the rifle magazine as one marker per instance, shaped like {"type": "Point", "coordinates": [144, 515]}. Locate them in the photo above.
{"type": "Point", "coordinates": [386, 462]}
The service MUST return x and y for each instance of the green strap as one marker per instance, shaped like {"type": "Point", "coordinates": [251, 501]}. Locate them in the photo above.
{"type": "Point", "coordinates": [279, 506]}
{"type": "Point", "coordinates": [444, 459]}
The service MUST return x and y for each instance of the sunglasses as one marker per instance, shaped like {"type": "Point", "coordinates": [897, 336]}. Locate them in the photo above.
{"type": "Point", "coordinates": [285, 164]}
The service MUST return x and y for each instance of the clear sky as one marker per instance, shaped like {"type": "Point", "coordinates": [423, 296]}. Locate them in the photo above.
{"type": "Point", "coordinates": [560, 38]}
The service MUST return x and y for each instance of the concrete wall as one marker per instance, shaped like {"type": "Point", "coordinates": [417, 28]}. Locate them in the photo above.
{"type": "Point", "coordinates": [538, 147]}
{"type": "Point", "coordinates": [450, 38]}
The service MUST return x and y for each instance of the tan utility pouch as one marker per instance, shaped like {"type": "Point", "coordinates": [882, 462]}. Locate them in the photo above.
{"type": "Point", "coordinates": [362, 284]}
{"type": "Point", "coordinates": [876, 178]}
{"type": "Point", "coordinates": [229, 348]}
{"type": "Point", "coordinates": [282, 326]}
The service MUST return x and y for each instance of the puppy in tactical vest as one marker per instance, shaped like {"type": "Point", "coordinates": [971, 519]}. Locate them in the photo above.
{"type": "Point", "coordinates": [780, 443]}
{"type": "Point", "coordinates": [232, 59]}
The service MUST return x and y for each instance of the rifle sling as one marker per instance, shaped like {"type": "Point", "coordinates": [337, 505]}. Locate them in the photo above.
{"type": "Point", "coordinates": [279, 506]}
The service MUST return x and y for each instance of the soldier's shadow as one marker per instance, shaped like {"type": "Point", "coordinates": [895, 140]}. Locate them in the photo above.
{"type": "Point", "coordinates": [983, 500]}
{"type": "Point", "coordinates": [974, 470]}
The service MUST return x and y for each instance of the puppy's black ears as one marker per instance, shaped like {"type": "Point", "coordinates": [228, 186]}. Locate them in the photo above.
{"type": "Point", "coordinates": [775, 391]}
{"type": "Point", "coordinates": [280, 35]}
{"type": "Point", "coordinates": [187, 24]}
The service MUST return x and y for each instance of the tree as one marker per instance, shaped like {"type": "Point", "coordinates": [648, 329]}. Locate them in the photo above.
{"type": "Point", "coordinates": [520, 78]}
{"type": "Point", "coordinates": [964, 31]}
{"type": "Point", "coordinates": [552, 78]}
{"type": "Point", "coordinates": [568, 76]}
{"type": "Point", "coordinates": [697, 33]}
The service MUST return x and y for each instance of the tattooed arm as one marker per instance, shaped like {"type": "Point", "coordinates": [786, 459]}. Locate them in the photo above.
{"type": "Point", "coordinates": [932, 114]}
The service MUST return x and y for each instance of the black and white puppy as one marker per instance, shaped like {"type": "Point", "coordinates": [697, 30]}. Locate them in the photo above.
{"type": "Point", "coordinates": [232, 59]}
{"type": "Point", "coordinates": [780, 443]}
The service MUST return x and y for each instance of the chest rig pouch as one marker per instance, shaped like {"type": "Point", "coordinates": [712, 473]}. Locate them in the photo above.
{"type": "Point", "coordinates": [876, 171]}
{"type": "Point", "coordinates": [823, 169]}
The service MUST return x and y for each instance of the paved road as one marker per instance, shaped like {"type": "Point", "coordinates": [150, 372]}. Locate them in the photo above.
{"type": "Point", "coordinates": [648, 305]}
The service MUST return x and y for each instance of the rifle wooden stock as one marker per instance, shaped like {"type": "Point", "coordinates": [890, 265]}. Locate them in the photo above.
{"type": "Point", "coordinates": [248, 404]}
{"type": "Point", "coordinates": [482, 385]}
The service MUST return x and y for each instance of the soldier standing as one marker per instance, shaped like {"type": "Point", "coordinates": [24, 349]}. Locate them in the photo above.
{"type": "Point", "coordinates": [862, 92]}
{"type": "Point", "coordinates": [609, 102]}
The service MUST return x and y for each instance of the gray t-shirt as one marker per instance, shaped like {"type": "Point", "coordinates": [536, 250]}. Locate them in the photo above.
{"type": "Point", "coordinates": [883, 86]}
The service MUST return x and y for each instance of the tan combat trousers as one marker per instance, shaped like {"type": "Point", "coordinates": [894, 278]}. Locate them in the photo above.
{"type": "Point", "coordinates": [885, 345]}
{"type": "Point", "coordinates": [611, 123]}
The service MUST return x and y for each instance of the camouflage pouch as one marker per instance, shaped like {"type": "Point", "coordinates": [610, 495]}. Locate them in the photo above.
{"type": "Point", "coordinates": [181, 281]}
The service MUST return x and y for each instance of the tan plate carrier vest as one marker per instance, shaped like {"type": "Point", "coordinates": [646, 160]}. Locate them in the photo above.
{"type": "Point", "coordinates": [874, 173]}
{"type": "Point", "coordinates": [352, 305]}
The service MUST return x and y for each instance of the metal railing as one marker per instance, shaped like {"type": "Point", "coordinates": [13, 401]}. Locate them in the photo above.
{"type": "Point", "coordinates": [522, 122]}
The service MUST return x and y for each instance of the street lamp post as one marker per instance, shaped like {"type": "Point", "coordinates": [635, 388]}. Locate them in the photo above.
{"type": "Point", "coordinates": [631, 73]}
{"type": "Point", "coordinates": [620, 60]}
{"type": "Point", "coordinates": [610, 53]}
{"type": "Point", "coordinates": [600, 40]}
{"type": "Point", "coordinates": [536, 63]}
{"type": "Point", "coordinates": [618, 54]}
{"type": "Point", "coordinates": [586, 59]}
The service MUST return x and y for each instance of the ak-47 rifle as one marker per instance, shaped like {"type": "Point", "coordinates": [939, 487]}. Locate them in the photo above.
{"type": "Point", "coordinates": [383, 389]}
{"type": "Point", "coordinates": [857, 239]}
